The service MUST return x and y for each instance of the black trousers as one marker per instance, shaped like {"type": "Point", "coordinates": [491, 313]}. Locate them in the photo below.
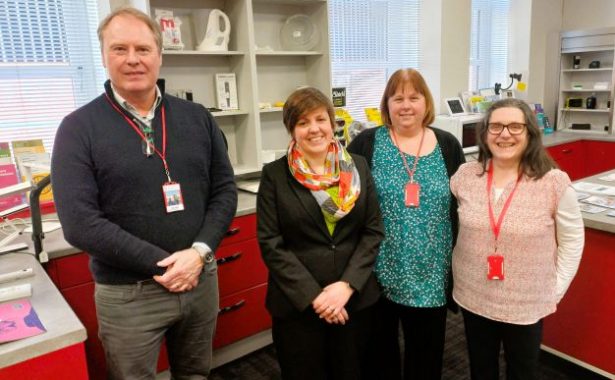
{"type": "Point", "coordinates": [424, 332]}
{"type": "Point", "coordinates": [309, 348]}
{"type": "Point", "coordinates": [521, 347]}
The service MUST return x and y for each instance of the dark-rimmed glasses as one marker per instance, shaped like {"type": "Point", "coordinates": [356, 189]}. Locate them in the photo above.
{"type": "Point", "coordinates": [513, 128]}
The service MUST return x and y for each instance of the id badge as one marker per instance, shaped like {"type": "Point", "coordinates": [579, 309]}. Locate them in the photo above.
{"type": "Point", "coordinates": [495, 267]}
{"type": "Point", "coordinates": [411, 194]}
{"type": "Point", "coordinates": [173, 200]}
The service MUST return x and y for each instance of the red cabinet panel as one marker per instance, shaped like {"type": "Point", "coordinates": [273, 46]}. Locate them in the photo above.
{"type": "Point", "coordinates": [242, 228]}
{"type": "Point", "coordinates": [72, 270]}
{"type": "Point", "coordinates": [81, 300]}
{"type": "Point", "coordinates": [600, 156]}
{"type": "Point", "coordinates": [241, 315]}
{"type": "Point", "coordinates": [240, 266]}
{"type": "Point", "coordinates": [570, 157]}
{"type": "Point", "coordinates": [583, 325]}
{"type": "Point", "coordinates": [66, 363]}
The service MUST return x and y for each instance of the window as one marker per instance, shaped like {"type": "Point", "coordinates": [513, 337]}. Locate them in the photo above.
{"type": "Point", "coordinates": [49, 65]}
{"type": "Point", "coordinates": [489, 43]}
{"type": "Point", "coordinates": [370, 39]}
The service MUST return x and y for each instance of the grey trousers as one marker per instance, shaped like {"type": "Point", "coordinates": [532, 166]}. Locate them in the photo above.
{"type": "Point", "coordinates": [134, 319]}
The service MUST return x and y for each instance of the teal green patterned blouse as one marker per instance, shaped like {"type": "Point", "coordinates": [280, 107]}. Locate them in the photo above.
{"type": "Point", "coordinates": [415, 256]}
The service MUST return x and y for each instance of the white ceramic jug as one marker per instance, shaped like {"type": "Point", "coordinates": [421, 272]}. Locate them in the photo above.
{"type": "Point", "coordinates": [217, 33]}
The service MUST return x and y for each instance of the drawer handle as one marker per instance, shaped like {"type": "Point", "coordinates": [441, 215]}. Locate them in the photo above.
{"type": "Point", "coordinates": [232, 231]}
{"type": "Point", "coordinates": [236, 306]}
{"type": "Point", "coordinates": [566, 151]}
{"type": "Point", "coordinates": [228, 259]}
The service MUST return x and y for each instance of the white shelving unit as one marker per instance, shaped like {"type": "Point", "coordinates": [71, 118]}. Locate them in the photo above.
{"type": "Point", "coordinates": [579, 83]}
{"type": "Point", "coordinates": [265, 73]}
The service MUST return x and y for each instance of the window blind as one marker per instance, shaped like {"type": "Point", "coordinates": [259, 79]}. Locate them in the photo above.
{"type": "Point", "coordinates": [489, 43]}
{"type": "Point", "coordinates": [369, 40]}
{"type": "Point", "coordinates": [49, 65]}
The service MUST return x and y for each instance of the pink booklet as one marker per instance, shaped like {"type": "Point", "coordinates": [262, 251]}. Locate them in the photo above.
{"type": "Point", "coordinates": [18, 320]}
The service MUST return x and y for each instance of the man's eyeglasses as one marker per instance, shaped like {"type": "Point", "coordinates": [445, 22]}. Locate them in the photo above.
{"type": "Point", "coordinates": [513, 128]}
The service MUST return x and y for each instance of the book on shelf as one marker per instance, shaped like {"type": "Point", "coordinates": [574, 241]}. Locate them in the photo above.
{"type": "Point", "coordinates": [8, 177]}
{"type": "Point", "coordinates": [5, 153]}
{"type": "Point", "coordinates": [33, 152]}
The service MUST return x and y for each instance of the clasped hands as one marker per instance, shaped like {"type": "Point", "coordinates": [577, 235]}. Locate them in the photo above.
{"type": "Point", "coordinates": [183, 269]}
{"type": "Point", "coordinates": [330, 303]}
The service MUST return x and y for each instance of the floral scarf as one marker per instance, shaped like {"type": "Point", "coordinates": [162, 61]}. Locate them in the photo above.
{"type": "Point", "coordinates": [340, 171]}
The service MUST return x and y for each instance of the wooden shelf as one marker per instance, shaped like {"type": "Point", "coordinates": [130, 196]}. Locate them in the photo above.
{"type": "Point", "coordinates": [587, 70]}
{"type": "Point", "coordinates": [229, 113]}
{"type": "Point", "coordinates": [286, 53]}
{"type": "Point", "coordinates": [272, 109]}
{"type": "Point", "coordinates": [586, 47]}
{"type": "Point", "coordinates": [584, 90]}
{"type": "Point", "coordinates": [600, 110]}
{"type": "Point", "coordinates": [269, 74]}
{"type": "Point", "coordinates": [198, 52]}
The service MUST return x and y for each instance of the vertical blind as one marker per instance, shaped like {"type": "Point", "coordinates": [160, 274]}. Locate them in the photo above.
{"type": "Point", "coordinates": [49, 65]}
{"type": "Point", "coordinates": [370, 39]}
{"type": "Point", "coordinates": [489, 43]}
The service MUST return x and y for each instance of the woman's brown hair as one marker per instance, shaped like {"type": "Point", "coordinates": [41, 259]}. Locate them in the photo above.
{"type": "Point", "coordinates": [400, 79]}
{"type": "Point", "coordinates": [303, 101]}
{"type": "Point", "coordinates": [535, 162]}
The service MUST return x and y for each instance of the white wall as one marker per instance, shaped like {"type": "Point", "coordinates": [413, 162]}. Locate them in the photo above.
{"type": "Point", "coordinates": [544, 54]}
{"type": "Point", "coordinates": [588, 14]}
{"type": "Point", "coordinates": [455, 48]}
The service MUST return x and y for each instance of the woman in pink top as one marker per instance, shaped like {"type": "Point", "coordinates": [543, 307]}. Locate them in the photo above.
{"type": "Point", "coordinates": [519, 244]}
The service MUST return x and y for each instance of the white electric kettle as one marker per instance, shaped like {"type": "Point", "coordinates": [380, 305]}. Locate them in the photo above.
{"type": "Point", "coordinates": [217, 33]}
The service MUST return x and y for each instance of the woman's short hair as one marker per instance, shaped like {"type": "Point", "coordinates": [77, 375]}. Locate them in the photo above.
{"type": "Point", "coordinates": [302, 101]}
{"type": "Point", "coordinates": [400, 79]}
{"type": "Point", "coordinates": [130, 11]}
{"type": "Point", "coordinates": [535, 162]}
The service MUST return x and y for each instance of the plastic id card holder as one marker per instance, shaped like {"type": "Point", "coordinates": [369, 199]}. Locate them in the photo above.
{"type": "Point", "coordinates": [495, 267]}
{"type": "Point", "coordinates": [411, 194]}
{"type": "Point", "coordinates": [173, 200]}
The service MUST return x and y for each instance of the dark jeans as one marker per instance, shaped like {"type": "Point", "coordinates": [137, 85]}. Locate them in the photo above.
{"type": "Point", "coordinates": [521, 347]}
{"type": "Point", "coordinates": [424, 332]}
{"type": "Point", "coordinates": [309, 348]}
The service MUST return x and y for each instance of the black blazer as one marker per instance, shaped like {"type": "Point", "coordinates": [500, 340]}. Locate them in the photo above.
{"type": "Point", "coordinates": [301, 255]}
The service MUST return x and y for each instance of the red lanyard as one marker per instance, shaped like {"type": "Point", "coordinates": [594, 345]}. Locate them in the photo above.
{"type": "Point", "coordinates": [403, 157]}
{"type": "Point", "coordinates": [138, 130]}
{"type": "Point", "coordinates": [495, 227]}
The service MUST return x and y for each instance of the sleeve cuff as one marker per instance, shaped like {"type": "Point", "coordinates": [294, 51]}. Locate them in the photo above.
{"type": "Point", "coordinates": [202, 245]}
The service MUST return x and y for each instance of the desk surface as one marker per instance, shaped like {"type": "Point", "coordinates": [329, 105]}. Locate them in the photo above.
{"type": "Point", "coordinates": [599, 221]}
{"type": "Point", "coordinates": [63, 327]}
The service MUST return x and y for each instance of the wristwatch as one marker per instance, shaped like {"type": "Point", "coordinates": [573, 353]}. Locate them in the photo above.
{"type": "Point", "coordinates": [206, 255]}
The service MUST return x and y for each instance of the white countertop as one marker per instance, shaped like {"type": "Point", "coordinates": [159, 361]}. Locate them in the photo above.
{"type": "Point", "coordinates": [63, 327]}
{"type": "Point", "coordinates": [599, 221]}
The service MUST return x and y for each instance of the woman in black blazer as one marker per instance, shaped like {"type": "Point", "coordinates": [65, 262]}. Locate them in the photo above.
{"type": "Point", "coordinates": [319, 228]}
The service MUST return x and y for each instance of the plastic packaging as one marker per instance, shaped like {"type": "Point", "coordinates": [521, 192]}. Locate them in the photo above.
{"type": "Point", "coordinates": [547, 125]}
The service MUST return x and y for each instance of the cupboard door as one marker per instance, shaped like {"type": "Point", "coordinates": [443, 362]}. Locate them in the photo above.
{"type": "Point", "coordinates": [241, 315]}
{"type": "Point", "coordinates": [240, 267]}
{"type": "Point", "coordinates": [241, 228]}
{"type": "Point", "coordinates": [600, 156]}
{"type": "Point", "coordinates": [570, 157]}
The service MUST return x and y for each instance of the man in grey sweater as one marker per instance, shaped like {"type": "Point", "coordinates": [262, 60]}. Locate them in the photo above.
{"type": "Point", "coordinates": [143, 183]}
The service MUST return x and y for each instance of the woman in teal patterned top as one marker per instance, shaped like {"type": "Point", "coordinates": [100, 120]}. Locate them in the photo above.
{"type": "Point", "coordinates": [411, 165]}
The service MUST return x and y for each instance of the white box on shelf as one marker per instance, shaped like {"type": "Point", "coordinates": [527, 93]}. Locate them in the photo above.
{"type": "Point", "coordinates": [226, 88]}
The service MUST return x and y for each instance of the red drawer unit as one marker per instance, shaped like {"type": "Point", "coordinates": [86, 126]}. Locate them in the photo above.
{"type": "Point", "coordinates": [240, 266]}
{"type": "Point", "coordinates": [242, 314]}
{"type": "Point", "coordinates": [242, 228]}
{"type": "Point", "coordinates": [72, 270]}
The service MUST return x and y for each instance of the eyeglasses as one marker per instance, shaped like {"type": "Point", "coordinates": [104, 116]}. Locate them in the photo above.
{"type": "Point", "coordinates": [513, 128]}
